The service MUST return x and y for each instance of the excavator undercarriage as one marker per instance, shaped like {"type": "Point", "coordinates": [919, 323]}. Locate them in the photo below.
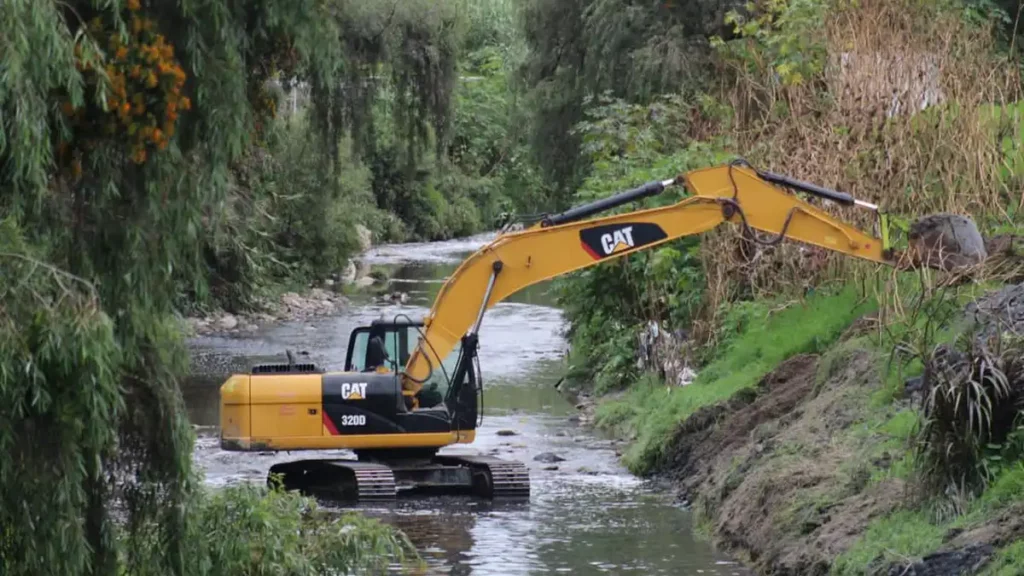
{"type": "Point", "coordinates": [411, 388]}
{"type": "Point", "coordinates": [391, 477]}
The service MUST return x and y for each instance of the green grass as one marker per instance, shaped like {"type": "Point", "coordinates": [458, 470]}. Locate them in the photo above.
{"type": "Point", "coordinates": [1009, 561]}
{"type": "Point", "coordinates": [759, 338]}
{"type": "Point", "coordinates": [899, 536]}
{"type": "Point", "coordinates": [911, 534]}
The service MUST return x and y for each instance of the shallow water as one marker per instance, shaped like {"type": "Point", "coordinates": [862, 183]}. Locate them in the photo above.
{"type": "Point", "coordinates": [588, 516]}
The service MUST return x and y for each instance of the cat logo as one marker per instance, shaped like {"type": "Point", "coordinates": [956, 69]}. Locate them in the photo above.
{"type": "Point", "coordinates": [610, 240]}
{"type": "Point", "coordinates": [617, 241]}
{"type": "Point", "coordinates": [353, 390]}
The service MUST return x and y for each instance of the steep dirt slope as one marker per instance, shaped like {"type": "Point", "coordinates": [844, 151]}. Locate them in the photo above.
{"type": "Point", "coordinates": [778, 474]}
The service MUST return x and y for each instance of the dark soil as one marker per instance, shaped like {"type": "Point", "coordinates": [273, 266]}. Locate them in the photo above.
{"type": "Point", "coordinates": [771, 473]}
{"type": "Point", "coordinates": [968, 551]}
{"type": "Point", "coordinates": [965, 561]}
{"type": "Point", "coordinates": [722, 428]}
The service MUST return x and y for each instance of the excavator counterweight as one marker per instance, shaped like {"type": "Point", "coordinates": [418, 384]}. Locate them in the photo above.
{"type": "Point", "coordinates": [410, 388]}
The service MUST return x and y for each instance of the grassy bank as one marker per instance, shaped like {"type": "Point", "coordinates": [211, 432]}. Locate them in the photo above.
{"type": "Point", "coordinates": [757, 336]}
{"type": "Point", "coordinates": [803, 451]}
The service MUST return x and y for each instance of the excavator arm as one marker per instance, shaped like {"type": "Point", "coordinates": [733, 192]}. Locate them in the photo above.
{"type": "Point", "coordinates": [565, 242]}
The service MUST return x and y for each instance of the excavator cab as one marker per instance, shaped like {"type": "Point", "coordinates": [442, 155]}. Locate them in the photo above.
{"type": "Point", "coordinates": [385, 347]}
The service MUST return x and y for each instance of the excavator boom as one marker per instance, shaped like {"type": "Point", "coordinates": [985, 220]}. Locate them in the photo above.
{"type": "Point", "coordinates": [564, 243]}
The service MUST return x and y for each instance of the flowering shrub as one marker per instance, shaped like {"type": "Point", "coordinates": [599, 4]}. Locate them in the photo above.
{"type": "Point", "coordinates": [145, 82]}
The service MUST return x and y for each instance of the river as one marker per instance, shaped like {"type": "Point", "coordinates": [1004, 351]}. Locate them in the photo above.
{"type": "Point", "coordinates": [588, 516]}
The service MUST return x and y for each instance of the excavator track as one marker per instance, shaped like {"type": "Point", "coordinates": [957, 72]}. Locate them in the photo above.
{"type": "Point", "coordinates": [482, 476]}
{"type": "Point", "coordinates": [493, 477]}
{"type": "Point", "coordinates": [373, 481]}
{"type": "Point", "coordinates": [339, 479]}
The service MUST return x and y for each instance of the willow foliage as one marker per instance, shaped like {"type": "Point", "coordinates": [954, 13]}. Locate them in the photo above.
{"type": "Point", "coordinates": [121, 125]}
{"type": "Point", "coordinates": [580, 49]}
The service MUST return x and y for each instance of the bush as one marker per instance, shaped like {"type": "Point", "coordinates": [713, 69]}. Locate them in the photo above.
{"type": "Point", "coordinates": [974, 396]}
{"type": "Point", "coordinates": [248, 530]}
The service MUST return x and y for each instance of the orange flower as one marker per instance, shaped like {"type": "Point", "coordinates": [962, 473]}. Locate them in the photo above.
{"type": "Point", "coordinates": [122, 53]}
{"type": "Point", "coordinates": [186, 104]}
{"type": "Point", "coordinates": [133, 5]}
{"type": "Point", "coordinates": [139, 156]}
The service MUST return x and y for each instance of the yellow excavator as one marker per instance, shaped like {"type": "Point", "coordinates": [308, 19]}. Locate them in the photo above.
{"type": "Point", "coordinates": [411, 387]}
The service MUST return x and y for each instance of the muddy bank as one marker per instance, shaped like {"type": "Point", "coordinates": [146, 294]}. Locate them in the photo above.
{"type": "Point", "coordinates": [788, 476]}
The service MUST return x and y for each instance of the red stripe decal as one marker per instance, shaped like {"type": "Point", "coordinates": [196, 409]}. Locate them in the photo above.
{"type": "Point", "coordinates": [590, 251]}
{"type": "Point", "coordinates": [329, 424]}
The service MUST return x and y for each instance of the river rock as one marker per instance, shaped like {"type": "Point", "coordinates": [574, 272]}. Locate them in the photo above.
{"type": "Point", "coordinates": [348, 276]}
{"type": "Point", "coordinates": [292, 300]}
{"type": "Point", "coordinates": [548, 457]}
{"type": "Point", "coordinates": [364, 282]}
{"type": "Point", "coordinates": [551, 467]}
{"type": "Point", "coordinates": [507, 433]}
{"type": "Point", "coordinates": [227, 322]}
{"type": "Point", "coordinates": [365, 237]}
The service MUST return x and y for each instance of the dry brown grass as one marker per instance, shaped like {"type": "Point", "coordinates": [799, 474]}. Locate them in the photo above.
{"type": "Point", "coordinates": [848, 128]}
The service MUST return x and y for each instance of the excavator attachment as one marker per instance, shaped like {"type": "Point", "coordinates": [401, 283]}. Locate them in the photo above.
{"type": "Point", "coordinates": [940, 241]}
{"type": "Point", "coordinates": [947, 242]}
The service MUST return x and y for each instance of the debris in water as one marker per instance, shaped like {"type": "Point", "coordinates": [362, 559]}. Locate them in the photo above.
{"type": "Point", "coordinates": [549, 457]}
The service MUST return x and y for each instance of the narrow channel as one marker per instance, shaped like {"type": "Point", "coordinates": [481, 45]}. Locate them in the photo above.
{"type": "Point", "coordinates": [588, 516]}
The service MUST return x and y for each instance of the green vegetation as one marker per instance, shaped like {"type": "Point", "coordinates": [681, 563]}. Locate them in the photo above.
{"type": "Point", "coordinates": [248, 530]}
{"type": "Point", "coordinates": [159, 157]}
{"type": "Point", "coordinates": [757, 338]}
{"type": "Point", "coordinates": [804, 88]}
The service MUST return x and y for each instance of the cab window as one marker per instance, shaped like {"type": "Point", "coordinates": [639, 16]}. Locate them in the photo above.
{"type": "Point", "coordinates": [399, 344]}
